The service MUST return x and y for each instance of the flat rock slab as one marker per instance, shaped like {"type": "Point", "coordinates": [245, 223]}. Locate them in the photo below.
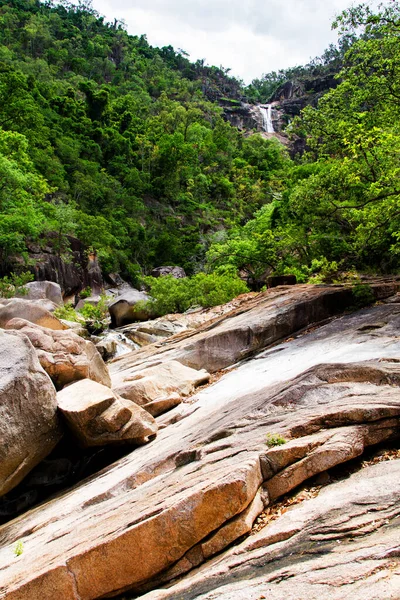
{"type": "Point", "coordinates": [129, 525]}
{"type": "Point", "coordinates": [343, 544]}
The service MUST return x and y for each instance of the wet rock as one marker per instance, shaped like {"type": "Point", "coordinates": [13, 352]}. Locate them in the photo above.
{"type": "Point", "coordinates": [97, 416]}
{"type": "Point", "coordinates": [175, 272]}
{"type": "Point", "coordinates": [64, 355]}
{"type": "Point", "coordinates": [29, 426]}
{"type": "Point", "coordinates": [31, 311]}
{"type": "Point", "coordinates": [157, 383]}
{"type": "Point", "coordinates": [124, 309]}
{"type": "Point", "coordinates": [43, 290]}
{"type": "Point", "coordinates": [151, 332]}
{"type": "Point", "coordinates": [107, 348]}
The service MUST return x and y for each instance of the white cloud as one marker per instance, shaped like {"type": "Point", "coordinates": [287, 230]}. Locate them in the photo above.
{"type": "Point", "coordinates": [249, 37]}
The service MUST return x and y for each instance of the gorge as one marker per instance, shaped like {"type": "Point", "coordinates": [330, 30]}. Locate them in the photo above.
{"type": "Point", "coordinates": [199, 316]}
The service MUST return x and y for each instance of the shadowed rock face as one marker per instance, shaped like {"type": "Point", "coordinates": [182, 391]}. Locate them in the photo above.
{"type": "Point", "coordinates": [29, 427]}
{"type": "Point", "coordinates": [169, 506]}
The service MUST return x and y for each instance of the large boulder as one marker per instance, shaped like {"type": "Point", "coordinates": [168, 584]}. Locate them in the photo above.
{"type": "Point", "coordinates": [98, 416]}
{"type": "Point", "coordinates": [124, 310]}
{"type": "Point", "coordinates": [43, 290]}
{"type": "Point", "coordinates": [64, 355]}
{"type": "Point", "coordinates": [29, 427]}
{"type": "Point", "coordinates": [176, 272]}
{"type": "Point", "coordinates": [31, 311]}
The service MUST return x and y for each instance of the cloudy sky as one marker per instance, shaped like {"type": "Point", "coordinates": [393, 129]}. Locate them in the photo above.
{"type": "Point", "coordinates": [250, 37]}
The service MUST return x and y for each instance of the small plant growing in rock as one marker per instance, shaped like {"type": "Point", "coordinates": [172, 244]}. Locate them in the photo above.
{"type": "Point", "coordinates": [85, 293]}
{"type": "Point", "coordinates": [274, 439]}
{"type": "Point", "coordinates": [66, 312]}
{"type": "Point", "coordinates": [19, 548]}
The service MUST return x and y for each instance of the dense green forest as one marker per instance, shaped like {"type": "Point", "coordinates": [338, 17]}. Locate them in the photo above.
{"type": "Point", "coordinates": [124, 146]}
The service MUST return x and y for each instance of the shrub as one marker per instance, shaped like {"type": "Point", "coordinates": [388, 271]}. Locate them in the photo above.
{"type": "Point", "coordinates": [67, 312]}
{"type": "Point", "coordinates": [96, 317]}
{"type": "Point", "coordinates": [19, 548]}
{"type": "Point", "coordinates": [85, 293]}
{"type": "Point", "coordinates": [362, 294]}
{"type": "Point", "coordinates": [171, 295]}
{"type": "Point", "coordinates": [13, 284]}
{"type": "Point", "coordinates": [323, 271]}
{"type": "Point", "coordinates": [274, 439]}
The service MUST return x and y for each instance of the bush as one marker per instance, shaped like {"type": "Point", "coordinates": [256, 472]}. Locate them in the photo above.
{"type": "Point", "coordinates": [323, 271]}
{"type": "Point", "coordinates": [362, 294]}
{"type": "Point", "coordinates": [67, 312]}
{"type": "Point", "coordinates": [171, 295]}
{"type": "Point", "coordinates": [85, 293]}
{"type": "Point", "coordinates": [274, 439]}
{"type": "Point", "coordinates": [14, 284]}
{"type": "Point", "coordinates": [96, 317]}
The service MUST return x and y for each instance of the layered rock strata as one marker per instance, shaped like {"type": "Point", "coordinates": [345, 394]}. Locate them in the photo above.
{"type": "Point", "coordinates": [169, 506]}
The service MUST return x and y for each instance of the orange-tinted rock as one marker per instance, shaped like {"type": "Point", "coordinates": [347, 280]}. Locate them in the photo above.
{"type": "Point", "coordinates": [64, 355]}
{"type": "Point", "coordinates": [98, 416]}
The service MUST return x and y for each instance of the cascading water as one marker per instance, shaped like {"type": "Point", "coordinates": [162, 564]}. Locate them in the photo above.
{"type": "Point", "coordinates": [266, 115]}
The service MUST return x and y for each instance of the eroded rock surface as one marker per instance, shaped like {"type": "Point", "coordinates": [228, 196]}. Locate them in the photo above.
{"type": "Point", "coordinates": [343, 544]}
{"type": "Point", "coordinates": [30, 310]}
{"type": "Point", "coordinates": [29, 427]}
{"type": "Point", "coordinates": [162, 385]}
{"type": "Point", "coordinates": [43, 290]}
{"type": "Point", "coordinates": [98, 416]}
{"type": "Point", "coordinates": [167, 507]}
{"type": "Point", "coordinates": [64, 355]}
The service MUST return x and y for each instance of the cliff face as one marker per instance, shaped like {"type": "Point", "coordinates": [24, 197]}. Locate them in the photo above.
{"type": "Point", "coordinates": [293, 96]}
{"type": "Point", "coordinates": [73, 270]}
{"type": "Point", "coordinates": [287, 102]}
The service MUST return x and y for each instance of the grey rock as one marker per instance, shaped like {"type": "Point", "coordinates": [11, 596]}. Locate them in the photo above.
{"type": "Point", "coordinates": [176, 272]}
{"type": "Point", "coordinates": [29, 426]}
{"type": "Point", "coordinates": [43, 290]}
{"type": "Point", "coordinates": [123, 309]}
{"type": "Point", "coordinates": [30, 310]}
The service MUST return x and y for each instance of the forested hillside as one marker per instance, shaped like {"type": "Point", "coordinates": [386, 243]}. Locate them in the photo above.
{"type": "Point", "coordinates": [339, 208]}
{"type": "Point", "coordinates": [114, 141]}
{"type": "Point", "coordinates": [124, 146]}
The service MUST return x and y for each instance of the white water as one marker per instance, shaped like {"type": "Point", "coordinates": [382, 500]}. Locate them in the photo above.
{"type": "Point", "coordinates": [266, 114]}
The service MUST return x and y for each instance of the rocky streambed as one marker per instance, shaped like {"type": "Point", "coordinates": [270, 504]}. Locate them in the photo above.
{"type": "Point", "coordinates": [293, 398]}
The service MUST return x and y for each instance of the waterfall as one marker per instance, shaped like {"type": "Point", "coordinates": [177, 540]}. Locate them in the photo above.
{"type": "Point", "coordinates": [266, 114]}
